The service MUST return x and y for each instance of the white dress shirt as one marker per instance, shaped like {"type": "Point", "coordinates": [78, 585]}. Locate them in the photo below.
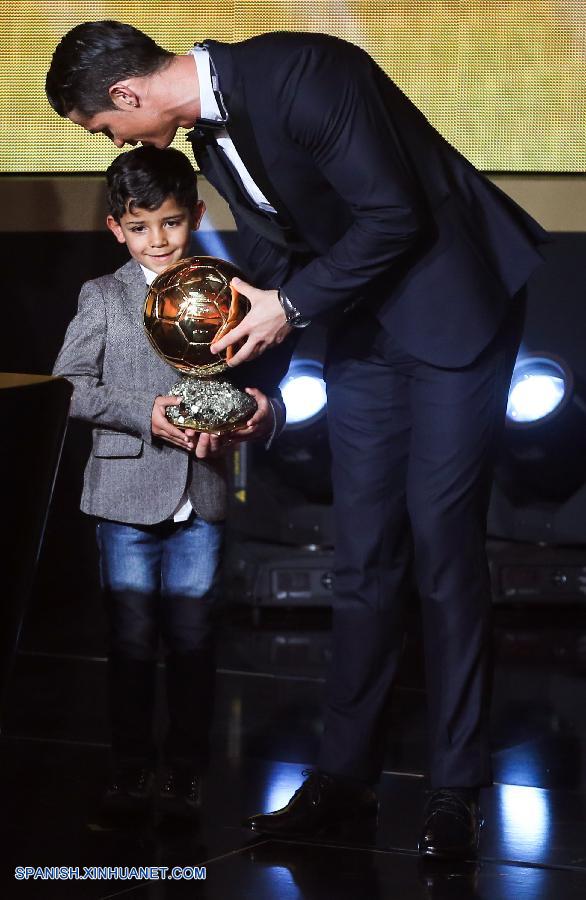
{"type": "Point", "coordinates": [210, 110]}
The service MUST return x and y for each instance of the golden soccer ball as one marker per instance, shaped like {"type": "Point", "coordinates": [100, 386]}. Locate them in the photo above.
{"type": "Point", "coordinates": [188, 306]}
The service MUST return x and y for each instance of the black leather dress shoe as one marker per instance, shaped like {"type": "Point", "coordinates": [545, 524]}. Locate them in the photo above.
{"type": "Point", "coordinates": [179, 794]}
{"type": "Point", "coordinates": [129, 793]}
{"type": "Point", "coordinates": [451, 826]}
{"type": "Point", "coordinates": [323, 802]}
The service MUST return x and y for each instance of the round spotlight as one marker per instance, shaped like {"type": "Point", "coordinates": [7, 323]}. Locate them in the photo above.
{"type": "Point", "coordinates": [304, 393]}
{"type": "Point", "coordinates": [540, 388]}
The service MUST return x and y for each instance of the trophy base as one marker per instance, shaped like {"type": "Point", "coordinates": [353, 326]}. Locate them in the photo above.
{"type": "Point", "coordinates": [212, 405]}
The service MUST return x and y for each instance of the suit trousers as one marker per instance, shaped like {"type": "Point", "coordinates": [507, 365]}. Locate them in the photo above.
{"type": "Point", "coordinates": [413, 447]}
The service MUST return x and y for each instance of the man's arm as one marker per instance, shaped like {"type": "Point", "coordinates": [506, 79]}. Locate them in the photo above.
{"type": "Point", "coordinates": [267, 266]}
{"type": "Point", "coordinates": [330, 103]}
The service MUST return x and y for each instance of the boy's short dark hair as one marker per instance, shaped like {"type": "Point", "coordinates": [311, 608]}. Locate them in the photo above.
{"type": "Point", "coordinates": [92, 57]}
{"type": "Point", "coordinates": [145, 177]}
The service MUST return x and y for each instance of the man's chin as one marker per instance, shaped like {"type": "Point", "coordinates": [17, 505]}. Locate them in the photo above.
{"type": "Point", "coordinates": [161, 144]}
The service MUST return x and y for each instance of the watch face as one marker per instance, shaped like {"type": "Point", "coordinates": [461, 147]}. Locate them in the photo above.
{"type": "Point", "coordinates": [292, 316]}
{"type": "Point", "coordinates": [297, 320]}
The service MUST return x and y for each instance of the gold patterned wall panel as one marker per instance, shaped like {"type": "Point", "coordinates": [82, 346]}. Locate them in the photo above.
{"type": "Point", "coordinates": [505, 82]}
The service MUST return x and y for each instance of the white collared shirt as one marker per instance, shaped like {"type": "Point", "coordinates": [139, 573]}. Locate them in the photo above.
{"type": "Point", "coordinates": [210, 110]}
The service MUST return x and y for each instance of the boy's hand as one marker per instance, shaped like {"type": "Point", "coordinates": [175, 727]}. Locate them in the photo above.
{"type": "Point", "coordinates": [162, 427]}
{"type": "Point", "coordinates": [259, 426]}
{"type": "Point", "coordinates": [264, 326]}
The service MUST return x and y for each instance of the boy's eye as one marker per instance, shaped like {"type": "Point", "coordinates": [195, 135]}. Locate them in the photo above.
{"type": "Point", "coordinates": [173, 222]}
{"type": "Point", "coordinates": [137, 229]}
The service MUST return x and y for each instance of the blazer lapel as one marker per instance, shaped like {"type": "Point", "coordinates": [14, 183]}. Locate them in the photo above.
{"type": "Point", "coordinates": [135, 288]}
{"type": "Point", "coordinates": [239, 124]}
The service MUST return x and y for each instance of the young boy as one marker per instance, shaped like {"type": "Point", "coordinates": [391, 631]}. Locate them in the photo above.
{"type": "Point", "coordinates": [158, 493]}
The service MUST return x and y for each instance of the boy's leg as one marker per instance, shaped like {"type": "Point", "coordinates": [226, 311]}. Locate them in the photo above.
{"type": "Point", "coordinates": [130, 562]}
{"type": "Point", "coordinates": [190, 563]}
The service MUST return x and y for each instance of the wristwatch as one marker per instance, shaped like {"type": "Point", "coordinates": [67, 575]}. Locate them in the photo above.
{"type": "Point", "coordinates": [292, 315]}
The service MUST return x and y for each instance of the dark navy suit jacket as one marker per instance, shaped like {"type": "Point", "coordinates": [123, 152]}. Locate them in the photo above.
{"type": "Point", "coordinates": [393, 216]}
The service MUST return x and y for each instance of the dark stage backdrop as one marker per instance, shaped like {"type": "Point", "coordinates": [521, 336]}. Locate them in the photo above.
{"type": "Point", "coordinates": [42, 297]}
{"type": "Point", "coordinates": [502, 81]}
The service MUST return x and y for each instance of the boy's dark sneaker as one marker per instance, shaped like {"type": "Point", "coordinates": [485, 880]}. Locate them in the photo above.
{"type": "Point", "coordinates": [180, 793]}
{"type": "Point", "coordinates": [129, 794]}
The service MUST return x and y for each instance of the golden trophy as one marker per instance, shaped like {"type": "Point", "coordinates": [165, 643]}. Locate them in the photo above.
{"type": "Point", "coordinates": [188, 306]}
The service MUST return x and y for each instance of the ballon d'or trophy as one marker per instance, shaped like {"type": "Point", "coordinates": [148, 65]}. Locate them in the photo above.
{"type": "Point", "coordinates": [189, 305]}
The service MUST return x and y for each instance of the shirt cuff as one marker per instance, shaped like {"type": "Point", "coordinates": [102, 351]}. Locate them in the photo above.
{"type": "Point", "coordinates": [279, 416]}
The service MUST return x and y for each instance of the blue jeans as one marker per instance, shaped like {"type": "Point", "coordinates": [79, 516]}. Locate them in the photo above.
{"type": "Point", "coordinates": [159, 581]}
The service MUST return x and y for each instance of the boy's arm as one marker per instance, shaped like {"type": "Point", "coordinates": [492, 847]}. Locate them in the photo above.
{"type": "Point", "coordinates": [80, 360]}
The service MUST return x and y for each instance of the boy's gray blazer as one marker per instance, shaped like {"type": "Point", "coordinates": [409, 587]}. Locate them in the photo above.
{"type": "Point", "coordinates": [131, 476]}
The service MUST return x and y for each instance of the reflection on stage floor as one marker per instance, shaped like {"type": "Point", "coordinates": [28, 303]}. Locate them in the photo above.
{"type": "Point", "coordinates": [267, 728]}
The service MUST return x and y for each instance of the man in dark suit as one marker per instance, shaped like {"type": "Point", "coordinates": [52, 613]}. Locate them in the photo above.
{"type": "Point", "coordinates": [351, 207]}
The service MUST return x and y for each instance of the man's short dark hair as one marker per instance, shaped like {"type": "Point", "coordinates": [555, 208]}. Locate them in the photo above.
{"type": "Point", "coordinates": [92, 57]}
{"type": "Point", "coordinates": [144, 178]}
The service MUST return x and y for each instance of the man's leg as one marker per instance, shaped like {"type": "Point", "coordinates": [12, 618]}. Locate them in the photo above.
{"type": "Point", "coordinates": [458, 417]}
{"type": "Point", "coordinates": [369, 432]}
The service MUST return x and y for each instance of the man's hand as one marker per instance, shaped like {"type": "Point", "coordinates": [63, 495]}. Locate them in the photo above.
{"type": "Point", "coordinates": [161, 426]}
{"type": "Point", "coordinates": [264, 326]}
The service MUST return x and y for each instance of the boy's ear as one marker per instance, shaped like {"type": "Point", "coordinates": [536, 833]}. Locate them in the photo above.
{"type": "Point", "coordinates": [197, 214]}
{"type": "Point", "coordinates": [116, 229]}
{"type": "Point", "coordinates": [123, 97]}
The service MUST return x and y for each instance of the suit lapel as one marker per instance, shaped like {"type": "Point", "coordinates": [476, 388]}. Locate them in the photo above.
{"type": "Point", "coordinates": [239, 126]}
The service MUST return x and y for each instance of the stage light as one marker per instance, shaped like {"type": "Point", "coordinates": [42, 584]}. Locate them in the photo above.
{"type": "Point", "coordinates": [304, 393]}
{"type": "Point", "coordinates": [543, 457]}
{"type": "Point", "coordinates": [211, 240]}
{"type": "Point", "coordinates": [540, 388]}
{"type": "Point", "coordinates": [281, 520]}
{"type": "Point", "coordinates": [540, 475]}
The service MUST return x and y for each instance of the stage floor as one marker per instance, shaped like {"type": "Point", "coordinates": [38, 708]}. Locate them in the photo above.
{"type": "Point", "coordinates": [53, 762]}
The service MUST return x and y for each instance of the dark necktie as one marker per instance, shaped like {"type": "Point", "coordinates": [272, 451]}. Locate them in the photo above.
{"type": "Point", "coordinates": [203, 141]}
